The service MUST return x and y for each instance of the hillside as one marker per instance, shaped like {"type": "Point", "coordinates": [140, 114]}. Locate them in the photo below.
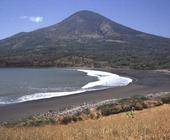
{"type": "Point", "coordinates": [147, 124]}
{"type": "Point", "coordinates": [86, 39]}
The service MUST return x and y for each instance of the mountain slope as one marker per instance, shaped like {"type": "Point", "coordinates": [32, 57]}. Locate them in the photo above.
{"type": "Point", "coordinates": [86, 39]}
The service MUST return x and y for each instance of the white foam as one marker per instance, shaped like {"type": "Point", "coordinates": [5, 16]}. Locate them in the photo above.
{"type": "Point", "coordinates": [105, 79]}
{"type": "Point", "coordinates": [46, 95]}
{"type": "Point", "coordinates": [38, 96]}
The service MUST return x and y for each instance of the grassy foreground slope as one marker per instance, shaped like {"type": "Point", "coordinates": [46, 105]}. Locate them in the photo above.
{"type": "Point", "coordinates": [148, 124]}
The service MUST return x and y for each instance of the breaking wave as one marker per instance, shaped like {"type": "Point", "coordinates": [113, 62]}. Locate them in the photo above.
{"type": "Point", "coordinates": [105, 80]}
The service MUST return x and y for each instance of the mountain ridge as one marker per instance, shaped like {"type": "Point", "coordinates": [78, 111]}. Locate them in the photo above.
{"type": "Point", "coordinates": [86, 39]}
{"type": "Point", "coordinates": [79, 12]}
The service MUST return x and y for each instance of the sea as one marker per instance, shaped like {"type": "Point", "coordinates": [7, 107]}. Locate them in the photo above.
{"type": "Point", "coordinates": [27, 84]}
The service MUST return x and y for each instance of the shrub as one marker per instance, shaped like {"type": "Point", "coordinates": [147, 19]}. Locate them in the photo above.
{"type": "Point", "coordinates": [86, 111]}
{"type": "Point", "coordinates": [67, 119]}
{"type": "Point", "coordinates": [138, 106]}
{"type": "Point", "coordinates": [110, 109]}
{"type": "Point", "coordinates": [141, 97]}
{"type": "Point", "coordinates": [37, 121]}
{"type": "Point", "coordinates": [166, 99]}
{"type": "Point", "coordinates": [152, 103]}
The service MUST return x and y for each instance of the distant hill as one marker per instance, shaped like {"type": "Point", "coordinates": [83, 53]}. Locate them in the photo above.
{"type": "Point", "coordinates": [86, 39]}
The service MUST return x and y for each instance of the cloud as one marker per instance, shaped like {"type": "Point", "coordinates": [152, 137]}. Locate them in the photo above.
{"type": "Point", "coordinates": [36, 19]}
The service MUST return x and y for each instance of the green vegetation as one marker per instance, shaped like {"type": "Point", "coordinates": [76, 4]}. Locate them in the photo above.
{"type": "Point", "coordinates": [84, 113]}
{"type": "Point", "coordinates": [148, 124]}
{"type": "Point", "coordinates": [96, 42]}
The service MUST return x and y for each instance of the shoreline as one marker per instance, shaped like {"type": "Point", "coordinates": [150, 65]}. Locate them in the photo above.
{"type": "Point", "coordinates": [104, 80]}
{"type": "Point", "coordinates": [78, 109]}
{"type": "Point", "coordinates": [148, 81]}
{"type": "Point", "coordinates": [93, 111]}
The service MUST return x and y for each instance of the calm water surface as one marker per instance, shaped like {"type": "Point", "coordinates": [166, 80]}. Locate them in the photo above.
{"type": "Point", "coordinates": [18, 82]}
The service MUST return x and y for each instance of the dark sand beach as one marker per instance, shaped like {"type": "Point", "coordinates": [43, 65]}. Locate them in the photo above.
{"type": "Point", "coordinates": [144, 82]}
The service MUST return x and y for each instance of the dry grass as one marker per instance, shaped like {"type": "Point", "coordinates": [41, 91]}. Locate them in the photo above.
{"type": "Point", "coordinates": [149, 124]}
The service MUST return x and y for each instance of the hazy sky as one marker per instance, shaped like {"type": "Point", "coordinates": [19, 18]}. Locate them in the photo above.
{"type": "Point", "coordinates": [152, 16]}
